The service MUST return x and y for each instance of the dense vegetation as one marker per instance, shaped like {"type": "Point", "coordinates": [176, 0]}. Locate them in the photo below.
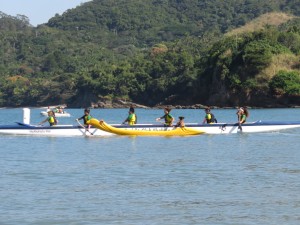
{"type": "Point", "coordinates": [151, 52]}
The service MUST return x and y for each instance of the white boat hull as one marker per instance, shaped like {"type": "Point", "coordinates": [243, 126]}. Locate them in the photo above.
{"type": "Point", "coordinates": [59, 130]}
{"type": "Point", "coordinates": [254, 127]}
{"type": "Point", "coordinates": [71, 130]}
{"type": "Point", "coordinates": [224, 128]}
{"type": "Point", "coordinates": [218, 128]}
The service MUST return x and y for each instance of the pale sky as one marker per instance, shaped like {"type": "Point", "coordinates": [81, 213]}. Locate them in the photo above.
{"type": "Point", "coordinates": [38, 11]}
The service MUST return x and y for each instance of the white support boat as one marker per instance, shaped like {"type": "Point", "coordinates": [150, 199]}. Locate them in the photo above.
{"type": "Point", "coordinates": [25, 128]}
{"type": "Point", "coordinates": [57, 114]}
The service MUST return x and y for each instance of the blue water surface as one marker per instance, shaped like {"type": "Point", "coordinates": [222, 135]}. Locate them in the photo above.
{"type": "Point", "coordinates": [235, 179]}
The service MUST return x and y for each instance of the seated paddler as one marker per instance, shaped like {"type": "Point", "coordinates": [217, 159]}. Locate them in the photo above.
{"type": "Point", "coordinates": [180, 122]}
{"type": "Point", "coordinates": [86, 117]}
{"type": "Point", "coordinates": [169, 119]}
{"type": "Point", "coordinates": [51, 119]}
{"type": "Point", "coordinates": [131, 119]}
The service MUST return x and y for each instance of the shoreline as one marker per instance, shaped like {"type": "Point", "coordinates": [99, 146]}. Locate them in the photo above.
{"type": "Point", "coordinates": [138, 106]}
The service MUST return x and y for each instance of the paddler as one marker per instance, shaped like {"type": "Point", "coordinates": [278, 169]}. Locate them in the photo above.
{"type": "Point", "coordinates": [243, 114]}
{"type": "Point", "coordinates": [169, 119]}
{"type": "Point", "coordinates": [209, 117]}
{"type": "Point", "coordinates": [86, 117]}
{"type": "Point", "coordinates": [180, 123]}
{"type": "Point", "coordinates": [131, 119]}
{"type": "Point", "coordinates": [51, 119]}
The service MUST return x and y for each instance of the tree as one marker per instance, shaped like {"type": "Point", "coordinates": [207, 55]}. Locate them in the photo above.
{"type": "Point", "coordinates": [285, 83]}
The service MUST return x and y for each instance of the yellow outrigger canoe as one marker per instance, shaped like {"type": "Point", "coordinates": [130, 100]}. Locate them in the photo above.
{"type": "Point", "coordinates": [130, 130]}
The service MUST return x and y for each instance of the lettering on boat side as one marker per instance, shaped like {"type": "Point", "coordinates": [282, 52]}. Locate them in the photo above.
{"type": "Point", "coordinates": [148, 129]}
{"type": "Point", "coordinates": [40, 131]}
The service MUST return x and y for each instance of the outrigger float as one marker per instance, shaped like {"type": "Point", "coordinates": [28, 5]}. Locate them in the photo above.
{"type": "Point", "coordinates": [145, 131]}
{"type": "Point", "coordinates": [102, 129]}
{"type": "Point", "coordinates": [195, 128]}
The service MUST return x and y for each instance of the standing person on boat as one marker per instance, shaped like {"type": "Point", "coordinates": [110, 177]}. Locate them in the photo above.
{"type": "Point", "coordinates": [86, 117]}
{"type": "Point", "coordinates": [169, 119]}
{"type": "Point", "coordinates": [51, 119]}
{"type": "Point", "coordinates": [131, 119]}
{"type": "Point", "coordinates": [180, 123]}
{"type": "Point", "coordinates": [243, 114]}
{"type": "Point", "coordinates": [209, 117]}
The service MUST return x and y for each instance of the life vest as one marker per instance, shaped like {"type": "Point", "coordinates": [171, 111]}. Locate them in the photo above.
{"type": "Point", "coordinates": [132, 119]}
{"type": "Point", "coordinates": [168, 119]}
{"type": "Point", "coordinates": [86, 118]}
{"type": "Point", "coordinates": [243, 117]}
{"type": "Point", "coordinates": [52, 120]}
{"type": "Point", "coordinates": [210, 118]}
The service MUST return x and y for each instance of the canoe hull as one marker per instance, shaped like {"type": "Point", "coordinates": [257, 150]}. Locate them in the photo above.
{"type": "Point", "coordinates": [253, 127]}
{"type": "Point", "coordinates": [218, 128]}
{"type": "Point", "coordinates": [60, 130]}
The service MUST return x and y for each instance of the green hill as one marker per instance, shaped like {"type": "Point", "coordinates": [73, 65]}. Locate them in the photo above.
{"type": "Point", "coordinates": [268, 19]}
{"type": "Point", "coordinates": [147, 22]}
{"type": "Point", "coordinates": [154, 52]}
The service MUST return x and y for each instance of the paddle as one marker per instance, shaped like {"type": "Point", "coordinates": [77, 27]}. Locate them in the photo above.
{"type": "Point", "coordinates": [239, 119]}
{"type": "Point", "coordinates": [84, 127]}
{"type": "Point", "coordinates": [240, 127]}
{"type": "Point", "coordinates": [164, 123]}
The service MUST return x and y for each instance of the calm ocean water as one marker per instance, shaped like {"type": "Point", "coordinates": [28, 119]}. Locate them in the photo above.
{"type": "Point", "coordinates": [236, 179]}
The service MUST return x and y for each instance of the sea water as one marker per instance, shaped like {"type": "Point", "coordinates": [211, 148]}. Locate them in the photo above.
{"type": "Point", "coordinates": [227, 179]}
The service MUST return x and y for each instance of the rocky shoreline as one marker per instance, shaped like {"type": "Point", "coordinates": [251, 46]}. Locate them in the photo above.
{"type": "Point", "coordinates": [119, 103]}
{"type": "Point", "coordinates": [108, 104]}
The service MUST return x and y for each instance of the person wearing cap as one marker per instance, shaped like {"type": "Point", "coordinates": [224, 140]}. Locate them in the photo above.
{"type": "Point", "coordinates": [180, 123]}
{"type": "Point", "coordinates": [169, 119]}
{"type": "Point", "coordinates": [242, 114]}
{"type": "Point", "coordinates": [209, 117]}
{"type": "Point", "coordinates": [131, 119]}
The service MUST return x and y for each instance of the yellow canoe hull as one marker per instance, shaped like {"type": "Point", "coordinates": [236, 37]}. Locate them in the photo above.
{"type": "Point", "coordinates": [178, 131]}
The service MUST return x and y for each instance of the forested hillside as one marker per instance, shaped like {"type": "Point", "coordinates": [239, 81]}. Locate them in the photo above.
{"type": "Point", "coordinates": [155, 52]}
{"type": "Point", "coordinates": [147, 22]}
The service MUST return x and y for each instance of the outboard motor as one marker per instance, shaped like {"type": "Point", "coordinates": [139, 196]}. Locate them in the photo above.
{"type": "Point", "coordinates": [26, 115]}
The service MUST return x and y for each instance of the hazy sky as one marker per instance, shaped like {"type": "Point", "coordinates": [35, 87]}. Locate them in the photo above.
{"type": "Point", "coordinates": [38, 11]}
